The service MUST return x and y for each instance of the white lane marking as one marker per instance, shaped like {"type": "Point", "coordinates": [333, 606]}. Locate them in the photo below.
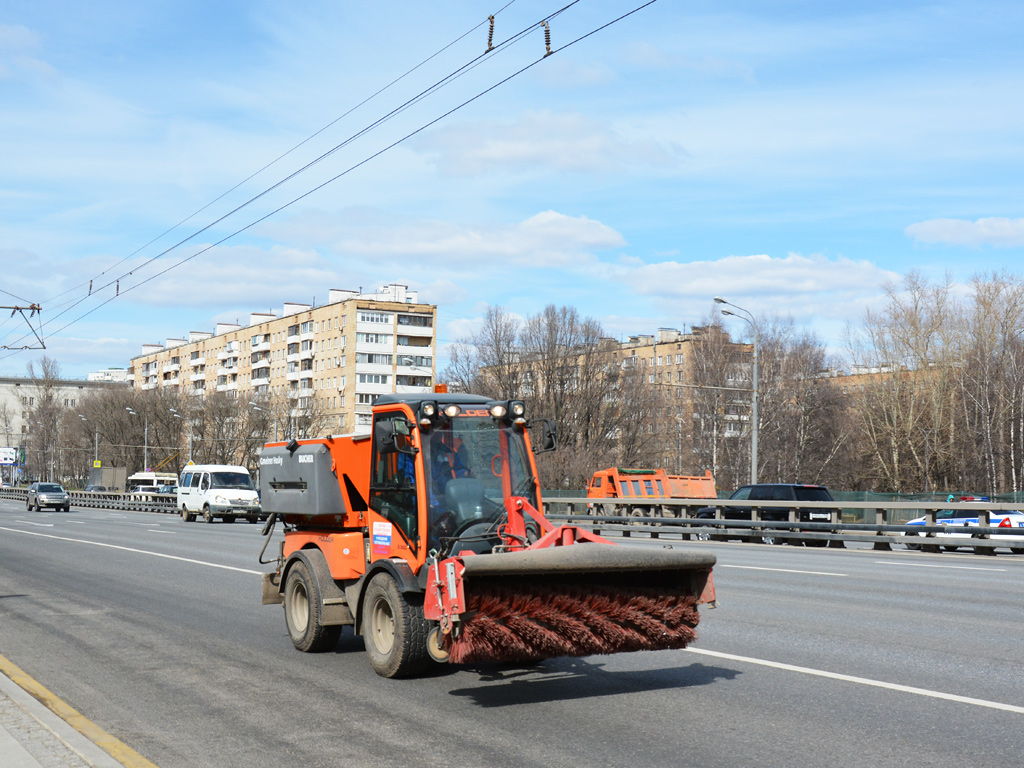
{"type": "Point", "coordinates": [951, 567]}
{"type": "Point", "coordinates": [864, 681]}
{"type": "Point", "coordinates": [158, 530]}
{"type": "Point", "coordinates": [41, 525]}
{"type": "Point", "coordinates": [77, 522]}
{"type": "Point", "coordinates": [131, 549]}
{"type": "Point", "coordinates": [779, 570]}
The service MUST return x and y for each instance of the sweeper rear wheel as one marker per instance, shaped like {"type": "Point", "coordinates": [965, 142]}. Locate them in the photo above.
{"type": "Point", "coordinates": [394, 630]}
{"type": "Point", "coordinates": [302, 612]}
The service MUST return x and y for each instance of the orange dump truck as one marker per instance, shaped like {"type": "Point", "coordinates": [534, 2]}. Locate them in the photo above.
{"type": "Point", "coordinates": [643, 486]}
{"type": "Point", "coordinates": [426, 537]}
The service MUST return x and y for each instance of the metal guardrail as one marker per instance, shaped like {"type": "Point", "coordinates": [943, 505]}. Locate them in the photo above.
{"type": "Point", "coordinates": [659, 518]}
{"type": "Point", "coordinates": [134, 502]}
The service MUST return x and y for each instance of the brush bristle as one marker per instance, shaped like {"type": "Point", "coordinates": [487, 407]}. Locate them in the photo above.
{"type": "Point", "coordinates": [513, 621]}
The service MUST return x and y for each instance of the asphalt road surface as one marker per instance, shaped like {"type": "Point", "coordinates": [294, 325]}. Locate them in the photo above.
{"type": "Point", "coordinates": [152, 628]}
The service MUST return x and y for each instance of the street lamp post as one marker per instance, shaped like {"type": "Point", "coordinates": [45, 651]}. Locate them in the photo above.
{"type": "Point", "coordinates": [96, 441]}
{"type": "Point", "coordinates": [749, 319]}
{"type": "Point", "coordinates": [177, 415]}
{"type": "Point", "coordinates": [145, 440]}
{"type": "Point", "coordinates": [257, 408]}
{"type": "Point", "coordinates": [43, 427]}
{"type": "Point", "coordinates": [410, 362]}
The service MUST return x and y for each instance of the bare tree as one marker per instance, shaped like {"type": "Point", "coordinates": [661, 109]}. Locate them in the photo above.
{"type": "Point", "coordinates": [803, 428]}
{"type": "Point", "coordinates": [907, 413]}
{"type": "Point", "coordinates": [488, 361]}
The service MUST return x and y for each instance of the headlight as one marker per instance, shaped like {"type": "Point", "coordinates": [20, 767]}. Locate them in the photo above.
{"type": "Point", "coordinates": [220, 499]}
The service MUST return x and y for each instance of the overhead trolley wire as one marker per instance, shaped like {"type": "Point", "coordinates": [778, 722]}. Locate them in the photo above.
{"type": "Point", "coordinates": [115, 282]}
{"type": "Point", "coordinates": [351, 168]}
{"type": "Point", "coordinates": [285, 154]}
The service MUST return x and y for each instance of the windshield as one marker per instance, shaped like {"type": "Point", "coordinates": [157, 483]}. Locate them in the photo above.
{"type": "Point", "coordinates": [469, 463]}
{"type": "Point", "coordinates": [234, 480]}
{"type": "Point", "coordinates": [812, 494]}
{"type": "Point", "coordinates": [50, 488]}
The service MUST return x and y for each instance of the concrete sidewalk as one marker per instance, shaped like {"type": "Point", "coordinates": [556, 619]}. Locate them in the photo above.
{"type": "Point", "coordinates": [31, 736]}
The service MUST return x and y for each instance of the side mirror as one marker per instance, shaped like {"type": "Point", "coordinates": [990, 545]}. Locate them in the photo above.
{"type": "Point", "coordinates": [548, 438]}
{"type": "Point", "coordinates": [392, 436]}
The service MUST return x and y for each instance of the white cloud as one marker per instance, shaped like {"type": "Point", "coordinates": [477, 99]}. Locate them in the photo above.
{"type": "Point", "coordinates": [796, 285]}
{"type": "Point", "coordinates": [998, 231]}
{"type": "Point", "coordinates": [546, 239]}
{"type": "Point", "coordinates": [547, 141]}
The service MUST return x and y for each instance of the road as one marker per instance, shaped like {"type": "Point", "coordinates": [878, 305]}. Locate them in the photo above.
{"type": "Point", "coordinates": [152, 628]}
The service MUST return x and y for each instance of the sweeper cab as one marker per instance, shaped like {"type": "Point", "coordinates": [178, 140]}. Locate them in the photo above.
{"type": "Point", "coordinates": [426, 537]}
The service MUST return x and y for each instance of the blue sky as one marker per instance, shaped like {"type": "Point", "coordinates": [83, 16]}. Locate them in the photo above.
{"type": "Point", "coordinates": [790, 156]}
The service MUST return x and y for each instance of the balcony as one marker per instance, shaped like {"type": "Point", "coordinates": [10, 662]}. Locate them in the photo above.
{"type": "Point", "coordinates": [411, 330]}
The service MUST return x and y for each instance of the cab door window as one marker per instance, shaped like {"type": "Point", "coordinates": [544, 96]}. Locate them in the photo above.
{"type": "Point", "coordinates": [393, 482]}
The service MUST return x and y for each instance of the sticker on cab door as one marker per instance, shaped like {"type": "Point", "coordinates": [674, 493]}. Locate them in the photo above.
{"type": "Point", "coordinates": [381, 538]}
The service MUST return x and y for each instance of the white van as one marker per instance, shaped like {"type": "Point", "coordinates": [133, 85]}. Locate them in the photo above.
{"type": "Point", "coordinates": [218, 490]}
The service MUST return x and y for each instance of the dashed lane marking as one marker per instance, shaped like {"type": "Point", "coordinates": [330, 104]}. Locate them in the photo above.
{"type": "Point", "coordinates": [951, 567]}
{"type": "Point", "coordinates": [779, 570]}
{"type": "Point", "coordinates": [864, 681]}
{"type": "Point", "coordinates": [132, 549]}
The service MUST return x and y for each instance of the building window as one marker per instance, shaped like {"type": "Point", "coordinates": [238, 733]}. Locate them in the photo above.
{"type": "Point", "coordinates": [373, 338]}
{"type": "Point", "coordinates": [422, 321]}
{"type": "Point", "coordinates": [374, 317]}
{"type": "Point", "coordinates": [372, 358]}
{"type": "Point", "coordinates": [373, 378]}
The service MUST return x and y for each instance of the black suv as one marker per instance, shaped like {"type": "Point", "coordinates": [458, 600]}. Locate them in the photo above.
{"type": "Point", "coordinates": [47, 495]}
{"type": "Point", "coordinates": [776, 492]}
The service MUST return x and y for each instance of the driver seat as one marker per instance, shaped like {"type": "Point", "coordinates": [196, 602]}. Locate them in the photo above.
{"type": "Point", "coordinates": [464, 497]}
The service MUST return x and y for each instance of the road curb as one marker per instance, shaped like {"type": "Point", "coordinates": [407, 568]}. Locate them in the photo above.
{"type": "Point", "coordinates": [82, 737]}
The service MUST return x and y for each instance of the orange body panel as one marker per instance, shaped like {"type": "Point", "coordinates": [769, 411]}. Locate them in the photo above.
{"type": "Point", "coordinates": [345, 552]}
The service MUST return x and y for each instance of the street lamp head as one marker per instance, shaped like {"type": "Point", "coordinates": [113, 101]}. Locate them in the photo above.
{"type": "Point", "coordinates": [727, 312]}
{"type": "Point", "coordinates": [720, 300]}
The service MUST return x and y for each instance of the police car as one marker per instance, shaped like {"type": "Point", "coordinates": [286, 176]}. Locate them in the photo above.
{"type": "Point", "coordinates": [967, 518]}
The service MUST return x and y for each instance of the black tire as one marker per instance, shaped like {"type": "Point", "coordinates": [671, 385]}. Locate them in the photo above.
{"type": "Point", "coordinates": [637, 515]}
{"type": "Point", "coordinates": [28, 505]}
{"type": "Point", "coordinates": [394, 630]}
{"type": "Point", "coordinates": [303, 612]}
{"type": "Point", "coordinates": [253, 518]}
{"type": "Point", "coordinates": [206, 513]}
{"type": "Point", "coordinates": [67, 507]}
{"type": "Point", "coordinates": [187, 516]}
{"type": "Point", "coordinates": [1017, 550]}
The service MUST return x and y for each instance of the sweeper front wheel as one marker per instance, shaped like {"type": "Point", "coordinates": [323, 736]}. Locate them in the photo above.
{"type": "Point", "coordinates": [394, 630]}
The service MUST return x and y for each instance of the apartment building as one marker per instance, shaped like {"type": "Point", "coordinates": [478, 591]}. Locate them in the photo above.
{"type": "Point", "coordinates": [335, 358]}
